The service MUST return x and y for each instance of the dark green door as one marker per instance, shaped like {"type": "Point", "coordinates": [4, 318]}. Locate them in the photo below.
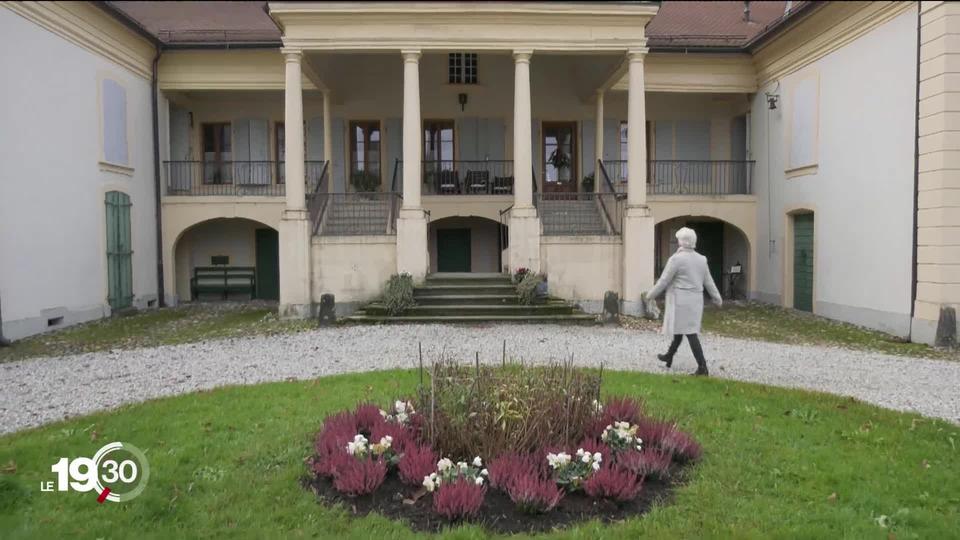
{"type": "Point", "coordinates": [119, 251]}
{"type": "Point", "coordinates": [803, 262]}
{"type": "Point", "coordinates": [453, 250]}
{"type": "Point", "coordinates": [268, 270]}
{"type": "Point", "coordinates": [710, 245]}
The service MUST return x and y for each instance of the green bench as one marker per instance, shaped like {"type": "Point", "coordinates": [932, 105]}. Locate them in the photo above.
{"type": "Point", "coordinates": [223, 280]}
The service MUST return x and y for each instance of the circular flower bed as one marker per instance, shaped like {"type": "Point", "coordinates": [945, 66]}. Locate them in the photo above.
{"type": "Point", "coordinates": [515, 449]}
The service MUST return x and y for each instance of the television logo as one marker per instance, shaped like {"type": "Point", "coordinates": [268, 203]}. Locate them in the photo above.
{"type": "Point", "coordinates": [118, 472]}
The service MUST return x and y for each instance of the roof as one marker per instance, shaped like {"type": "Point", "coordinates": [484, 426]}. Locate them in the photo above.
{"type": "Point", "coordinates": [204, 23]}
{"type": "Point", "coordinates": [677, 25]}
{"type": "Point", "coordinates": [713, 24]}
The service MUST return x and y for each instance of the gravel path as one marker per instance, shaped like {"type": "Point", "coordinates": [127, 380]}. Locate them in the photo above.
{"type": "Point", "coordinates": [34, 392]}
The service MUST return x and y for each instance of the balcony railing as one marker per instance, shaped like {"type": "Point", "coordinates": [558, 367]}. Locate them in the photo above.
{"type": "Point", "coordinates": [455, 177]}
{"type": "Point", "coordinates": [233, 178]}
{"type": "Point", "coordinates": [688, 177]}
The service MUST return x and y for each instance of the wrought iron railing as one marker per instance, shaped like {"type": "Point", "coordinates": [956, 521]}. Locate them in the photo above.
{"type": "Point", "coordinates": [316, 203]}
{"type": "Point", "coordinates": [470, 177]}
{"type": "Point", "coordinates": [233, 178]}
{"type": "Point", "coordinates": [689, 177]}
{"type": "Point", "coordinates": [356, 214]}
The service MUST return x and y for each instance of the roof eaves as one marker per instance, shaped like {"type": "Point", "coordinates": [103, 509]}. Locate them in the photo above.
{"type": "Point", "coordinates": [129, 22]}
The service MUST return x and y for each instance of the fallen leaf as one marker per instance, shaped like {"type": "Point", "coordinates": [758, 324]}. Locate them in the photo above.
{"type": "Point", "coordinates": [94, 435]}
{"type": "Point", "coordinates": [925, 464]}
{"type": "Point", "coordinates": [9, 468]}
{"type": "Point", "coordinates": [832, 497]}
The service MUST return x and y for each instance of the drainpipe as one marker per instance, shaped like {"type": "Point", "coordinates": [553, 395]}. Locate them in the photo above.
{"type": "Point", "coordinates": [161, 300]}
{"type": "Point", "coordinates": [4, 342]}
{"type": "Point", "coordinates": [916, 178]}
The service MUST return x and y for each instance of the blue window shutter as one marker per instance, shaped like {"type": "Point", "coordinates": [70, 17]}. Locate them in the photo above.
{"type": "Point", "coordinates": [496, 139]}
{"type": "Point", "coordinates": [469, 140]}
{"type": "Point", "coordinates": [340, 156]}
{"type": "Point", "coordinates": [179, 134]}
{"type": "Point", "coordinates": [114, 105]}
{"type": "Point", "coordinates": [394, 152]}
{"type": "Point", "coordinates": [535, 144]}
{"type": "Point", "coordinates": [315, 139]}
{"type": "Point", "coordinates": [663, 135]}
{"type": "Point", "coordinates": [587, 146]}
{"type": "Point", "coordinates": [693, 139]}
{"type": "Point", "coordinates": [611, 140]}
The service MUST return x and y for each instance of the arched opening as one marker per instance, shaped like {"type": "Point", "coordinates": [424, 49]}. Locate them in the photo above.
{"type": "Point", "coordinates": [726, 247]}
{"type": "Point", "coordinates": [227, 259]}
{"type": "Point", "coordinates": [465, 244]}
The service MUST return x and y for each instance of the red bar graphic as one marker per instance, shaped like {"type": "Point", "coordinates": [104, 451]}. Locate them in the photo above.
{"type": "Point", "coordinates": [103, 496]}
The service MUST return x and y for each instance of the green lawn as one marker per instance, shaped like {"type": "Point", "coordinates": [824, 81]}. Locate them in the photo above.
{"type": "Point", "coordinates": [226, 463]}
{"type": "Point", "coordinates": [775, 324]}
{"type": "Point", "coordinates": [156, 327]}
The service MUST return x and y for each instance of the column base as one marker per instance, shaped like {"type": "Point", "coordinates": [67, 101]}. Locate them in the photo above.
{"type": "Point", "coordinates": [295, 287]}
{"type": "Point", "coordinates": [412, 255]}
{"type": "Point", "coordinates": [524, 231]}
{"type": "Point", "coordinates": [638, 252]}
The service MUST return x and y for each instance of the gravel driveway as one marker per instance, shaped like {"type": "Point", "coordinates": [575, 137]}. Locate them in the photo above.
{"type": "Point", "coordinates": [34, 392]}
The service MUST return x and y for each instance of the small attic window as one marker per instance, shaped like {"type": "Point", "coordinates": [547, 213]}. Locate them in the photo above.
{"type": "Point", "coordinates": [462, 68]}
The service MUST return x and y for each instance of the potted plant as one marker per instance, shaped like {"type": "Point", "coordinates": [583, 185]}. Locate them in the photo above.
{"type": "Point", "coordinates": [365, 181]}
{"type": "Point", "coordinates": [588, 183]}
{"type": "Point", "coordinates": [561, 161]}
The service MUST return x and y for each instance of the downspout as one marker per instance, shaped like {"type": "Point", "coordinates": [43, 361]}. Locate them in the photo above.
{"type": "Point", "coordinates": [4, 342]}
{"type": "Point", "coordinates": [161, 300]}
{"type": "Point", "coordinates": [916, 179]}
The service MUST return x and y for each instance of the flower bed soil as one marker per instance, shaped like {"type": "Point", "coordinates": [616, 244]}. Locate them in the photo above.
{"type": "Point", "coordinates": [498, 514]}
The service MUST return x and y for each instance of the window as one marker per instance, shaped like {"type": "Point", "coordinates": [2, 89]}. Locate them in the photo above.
{"type": "Point", "coordinates": [114, 110]}
{"type": "Point", "coordinates": [804, 123]}
{"type": "Point", "coordinates": [462, 68]}
{"type": "Point", "coordinates": [365, 155]}
{"type": "Point", "coordinates": [621, 173]}
{"type": "Point", "coordinates": [281, 150]}
{"type": "Point", "coordinates": [438, 140]}
{"type": "Point", "coordinates": [217, 153]}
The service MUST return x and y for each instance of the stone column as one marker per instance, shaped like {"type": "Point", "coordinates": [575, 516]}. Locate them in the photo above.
{"type": "Point", "coordinates": [328, 140]}
{"type": "Point", "coordinates": [598, 143]}
{"type": "Point", "coordinates": [295, 285]}
{"type": "Point", "coordinates": [524, 250]}
{"type": "Point", "coordinates": [638, 222]}
{"type": "Point", "coordinates": [412, 256]}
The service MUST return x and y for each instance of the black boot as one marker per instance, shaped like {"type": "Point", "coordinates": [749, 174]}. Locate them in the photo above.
{"type": "Point", "coordinates": [672, 350]}
{"type": "Point", "coordinates": [698, 354]}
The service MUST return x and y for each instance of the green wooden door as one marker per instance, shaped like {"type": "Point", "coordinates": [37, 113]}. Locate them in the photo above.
{"type": "Point", "coordinates": [119, 251]}
{"type": "Point", "coordinates": [453, 250]}
{"type": "Point", "coordinates": [803, 262]}
{"type": "Point", "coordinates": [268, 261]}
{"type": "Point", "coordinates": [710, 245]}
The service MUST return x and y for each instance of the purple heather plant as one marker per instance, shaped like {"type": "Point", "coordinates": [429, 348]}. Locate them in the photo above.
{"type": "Point", "coordinates": [649, 463]}
{"type": "Point", "coordinates": [681, 445]}
{"type": "Point", "coordinates": [533, 494]}
{"type": "Point", "coordinates": [622, 409]}
{"type": "Point", "coordinates": [458, 500]}
{"type": "Point", "coordinates": [506, 469]}
{"type": "Point", "coordinates": [416, 463]}
{"type": "Point", "coordinates": [612, 483]}
{"type": "Point", "coordinates": [355, 477]}
{"type": "Point", "coordinates": [368, 416]}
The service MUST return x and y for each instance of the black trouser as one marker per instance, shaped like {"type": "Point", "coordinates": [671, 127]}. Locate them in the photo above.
{"type": "Point", "coordinates": [694, 346]}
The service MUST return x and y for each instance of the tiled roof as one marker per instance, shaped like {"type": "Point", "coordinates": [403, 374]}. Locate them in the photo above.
{"type": "Point", "coordinates": [677, 25]}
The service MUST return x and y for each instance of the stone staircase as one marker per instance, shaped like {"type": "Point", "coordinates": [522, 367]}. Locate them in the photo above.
{"type": "Point", "coordinates": [571, 217]}
{"type": "Point", "coordinates": [356, 217]}
{"type": "Point", "coordinates": [472, 298]}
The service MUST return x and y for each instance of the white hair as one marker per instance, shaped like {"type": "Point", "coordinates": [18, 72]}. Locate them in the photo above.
{"type": "Point", "coordinates": [687, 238]}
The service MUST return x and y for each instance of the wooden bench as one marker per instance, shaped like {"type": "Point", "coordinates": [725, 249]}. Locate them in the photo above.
{"type": "Point", "coordinates": [223, 280]}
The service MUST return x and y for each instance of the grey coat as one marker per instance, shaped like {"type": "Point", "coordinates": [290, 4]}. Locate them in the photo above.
{"type": "Point", "coordinates": [684, 279]}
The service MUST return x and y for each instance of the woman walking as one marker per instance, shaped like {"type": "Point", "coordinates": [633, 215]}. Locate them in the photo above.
{"type": "Point", "coordinates": [684, 279]}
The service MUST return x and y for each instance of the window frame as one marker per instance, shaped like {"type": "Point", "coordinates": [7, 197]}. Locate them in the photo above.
{"type": "Point", "coordinates": [104, 163]}
{"type": "Point", "coordinates": [463, 68]}
{"type": "Point", "coordinates": [367, 126]}
{"type": "Point", "coordinates": [218, 162]}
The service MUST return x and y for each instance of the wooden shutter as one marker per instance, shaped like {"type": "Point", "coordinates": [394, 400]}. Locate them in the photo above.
{"type": "Point", "coordinates": [119, 251]}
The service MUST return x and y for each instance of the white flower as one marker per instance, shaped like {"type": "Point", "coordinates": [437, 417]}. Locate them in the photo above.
{"type": "Point", "coordinates": [597, 405]}
{"type": "Point", "coordinates": [462, 465]}
{"type": "Point", "coordinates": [444, 464]}
{"type": "Point", "coordinates": [585, 458]}
{"type": "Point", "coordinates": [483, 472]}
{"type": "Point", "coordinates": [477, 462]}
{"type": "Point", "coordinates": [429, 483]}
{"type": "Point", "coordinates": [384, 414]}
{"type": "Point", "coordinates": [402, 417]}
{"type": "Point", "coordinates": [597, 456]}
{"type": "Point", "coordinates": [596, 465]}
{"type": "Point", "coordinates": [479, 480]}
{"type": "Point", "coordinates": [400, 406]}
{"type": "Point", "coordinates": [558, 460]}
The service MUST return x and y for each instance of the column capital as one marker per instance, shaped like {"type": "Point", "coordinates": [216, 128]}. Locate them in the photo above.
{"type": "Point", "coordinates": [600, 93]}
{"type": "Point", "coordinates": [637, 54]}
{"type": "Point", "coordinates": [522, 55]}
{"type": "Point", "coordinates": [291, 54]}
{"type": "Point", "coordinates": [410, 55]}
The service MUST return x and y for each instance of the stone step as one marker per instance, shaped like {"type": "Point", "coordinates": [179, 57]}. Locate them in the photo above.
{"type": "Point", "coordinates": [554, 308]}
{"type": "Point", "coordinates": [452, 278]}
{"type": "Point", "coordinates": [456, 289]}
{"type": "Point", "coordinates": [473, 319]}
{"type": "Point", "coordinates": [468, 299]}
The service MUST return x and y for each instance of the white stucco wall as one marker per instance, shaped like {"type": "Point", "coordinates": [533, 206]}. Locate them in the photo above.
{"type": "Point", "coordinates": [862, 188]}
{"type": "Point", "coordinates": [52, 213]}
{"type": "Point", "coordinates": [352, 268]}
{"type": "Point", "coordinates": [583, 268]}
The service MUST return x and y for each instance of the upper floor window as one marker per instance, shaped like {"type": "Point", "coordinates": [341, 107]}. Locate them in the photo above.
{"type": "Point", "coordinates": [114, 110]}
{"type": "Point", "coordinates": [804, 113]}
{"type": "Point", "coordinates": [462, 68]}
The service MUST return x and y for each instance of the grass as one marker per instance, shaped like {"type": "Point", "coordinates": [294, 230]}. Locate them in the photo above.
{"type": "Point", "coordinates": [226, 463]}
{"type": "Point", "coordinates": [775, 324]}
{"type": "Point", "coordinates": [151, 328]}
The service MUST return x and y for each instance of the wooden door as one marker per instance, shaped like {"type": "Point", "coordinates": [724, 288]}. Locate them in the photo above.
{"type": "Point", "coordinates": [268, 261]}
{"type": "Point", "coordinates": [559, 151]}
{"type": "Point", "coordinates": [803, 262]}
{"type": "Point", "coordinates": [453, 250]}
{"type": "Point", "coordinates": [119, 251]}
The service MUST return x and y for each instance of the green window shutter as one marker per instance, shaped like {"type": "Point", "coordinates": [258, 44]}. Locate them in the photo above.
{"type": "Point", "coordinates": [119, 251]}
{"type": "Point", "coordinates": [803, 262]}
